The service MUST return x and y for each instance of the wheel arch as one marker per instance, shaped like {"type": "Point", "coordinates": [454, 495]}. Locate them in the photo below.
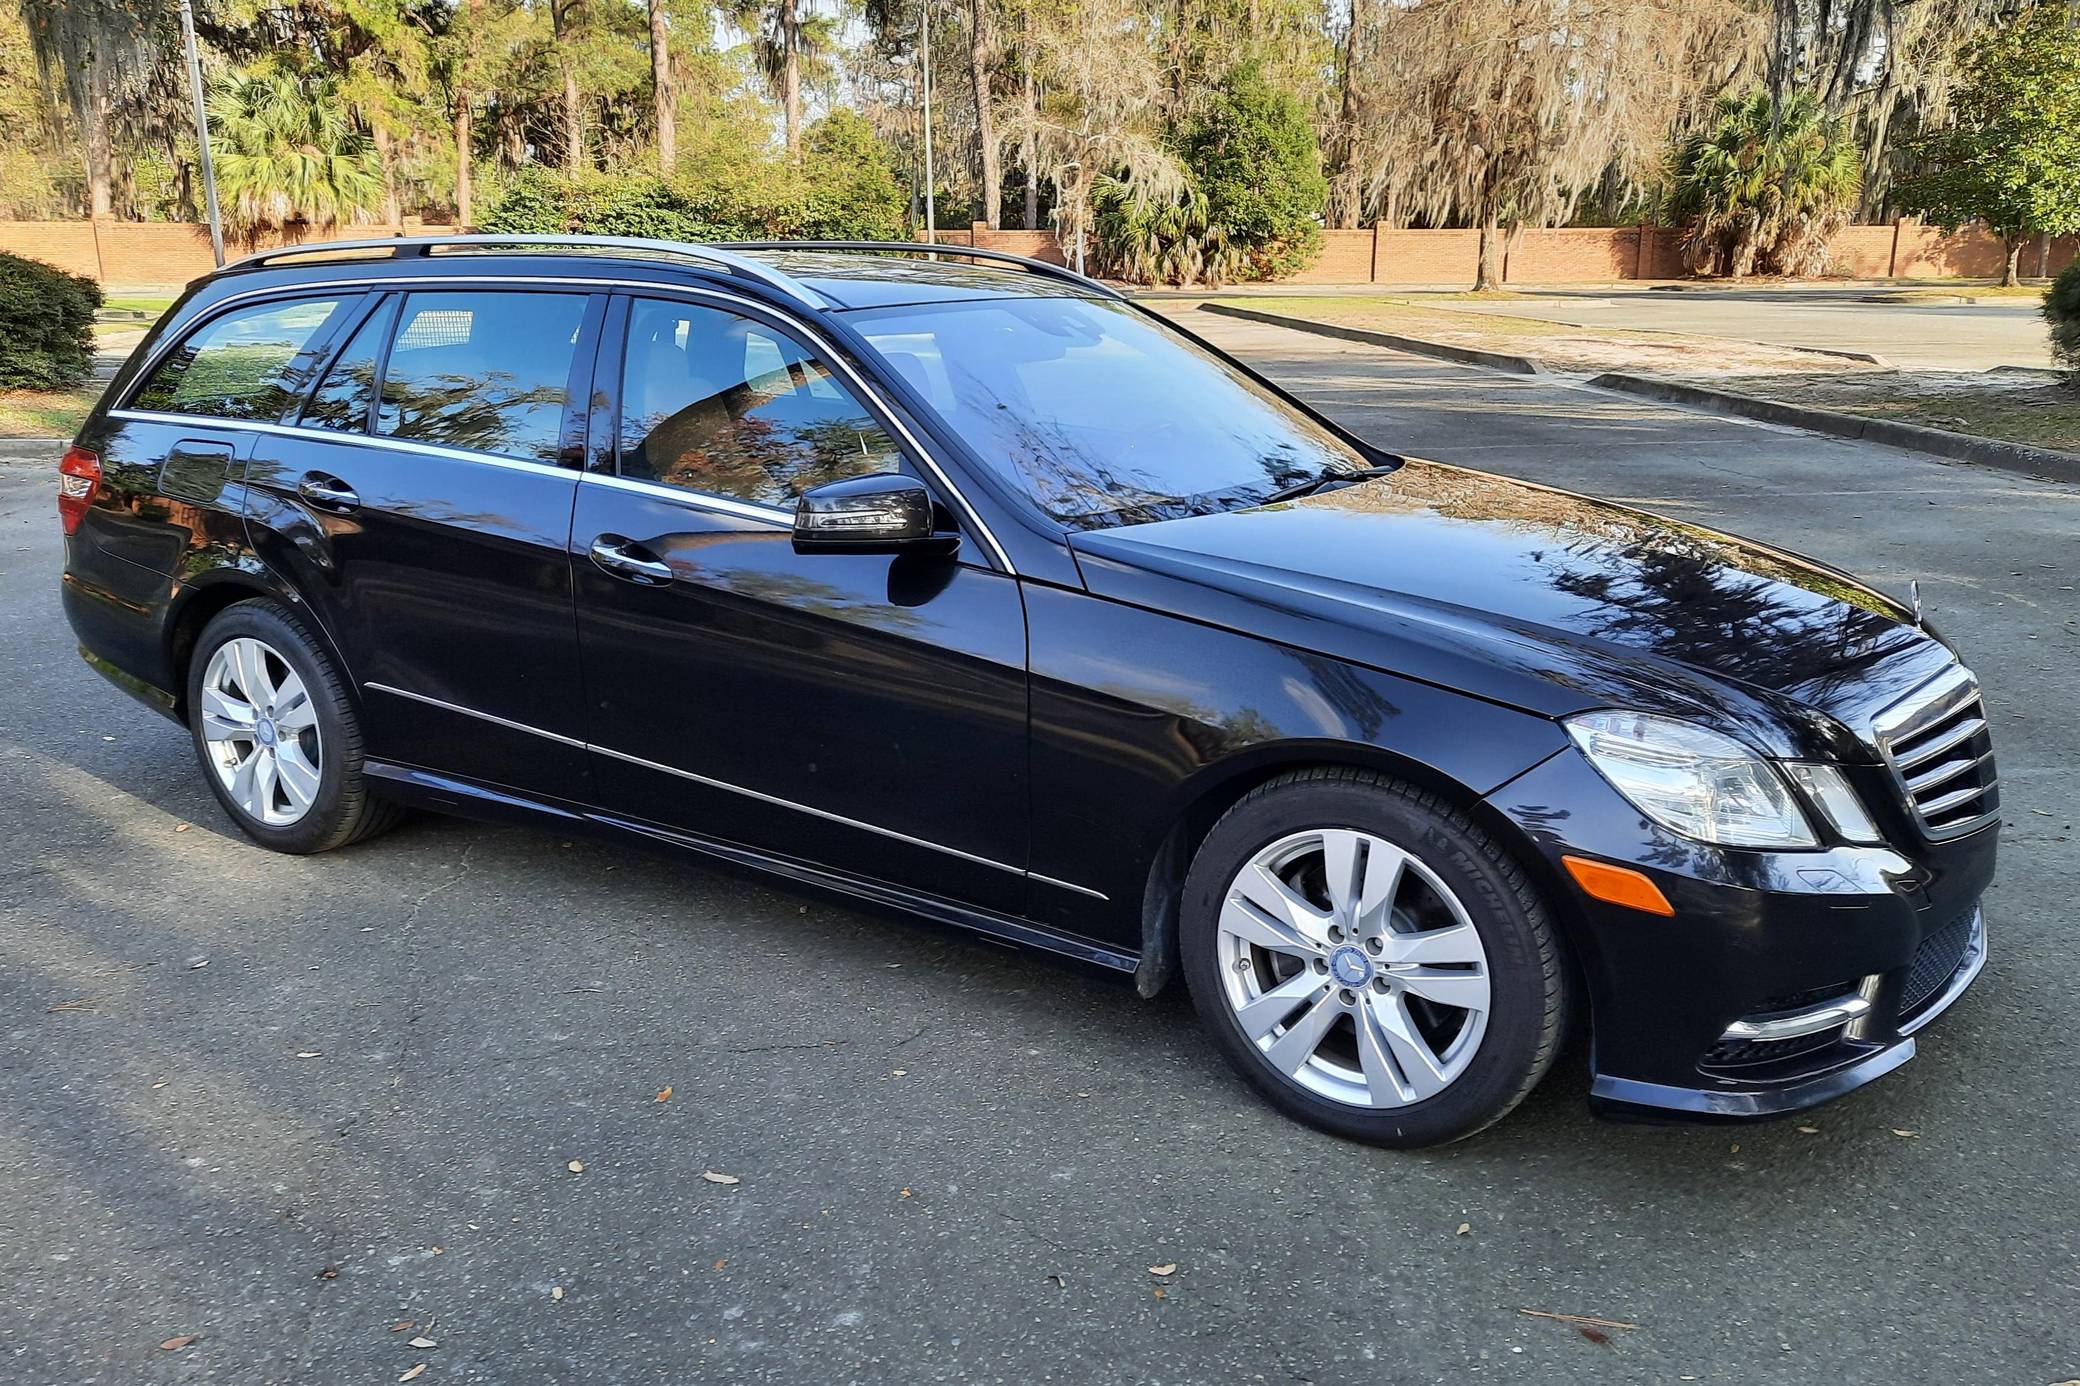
{"type": "Point", "coordinates": [204, 597]}
{"type": "Point", "coordinates": [1219, 787]}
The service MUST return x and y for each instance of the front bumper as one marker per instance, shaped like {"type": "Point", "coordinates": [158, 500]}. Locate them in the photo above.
{"type": "Point", "coordinates": [1874, 940]}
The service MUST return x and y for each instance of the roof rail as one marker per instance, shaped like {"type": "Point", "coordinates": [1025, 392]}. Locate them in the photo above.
{"type": "Point", "coordinates": [721, 257]}
{"type": "Point", "coordinates": [1005, 257]}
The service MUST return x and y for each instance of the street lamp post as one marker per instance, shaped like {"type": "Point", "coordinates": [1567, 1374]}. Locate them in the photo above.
{"type": "Point", "coordinates": [209, 172]}
{"type": "Point", "coordinates": [924, 22]}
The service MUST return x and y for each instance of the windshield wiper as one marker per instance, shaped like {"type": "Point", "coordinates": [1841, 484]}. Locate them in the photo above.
{"type": "Point", "coordinates": [1314, 485]}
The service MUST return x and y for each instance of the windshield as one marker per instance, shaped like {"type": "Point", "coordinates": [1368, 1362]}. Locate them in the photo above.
{"type": "Point", "coordinates": [1102, 415]}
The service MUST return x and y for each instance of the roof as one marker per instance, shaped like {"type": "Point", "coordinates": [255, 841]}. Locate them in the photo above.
{"type": "Point", "coordinates": [866, 279]}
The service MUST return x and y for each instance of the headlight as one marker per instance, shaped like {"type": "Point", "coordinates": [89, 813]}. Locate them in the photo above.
{"type": "Point", "coordinates": [1692, 781]}
{"type": "Point", "coordinates": [1826, 788]}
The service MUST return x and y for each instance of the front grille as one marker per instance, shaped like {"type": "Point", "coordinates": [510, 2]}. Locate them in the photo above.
{"type": "Point", "coordinates": [1749, 1053]}
{"type": "Point", "coordinates": [1941, 753]}
{"type": "Point", "coordinates": [1936, 962]}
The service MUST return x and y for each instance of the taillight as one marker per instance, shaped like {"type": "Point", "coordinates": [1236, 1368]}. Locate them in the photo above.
{"type": "Point", "coordinates": [79, 480]}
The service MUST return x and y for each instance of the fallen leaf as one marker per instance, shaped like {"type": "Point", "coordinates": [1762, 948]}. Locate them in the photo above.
{"type": "Point", "coordinates": [157, 1086]}
{"type": "Point", "coordinates": [1464, 1229]}
{"type": "Point", "coordinates": [422, 1342]}
{"type": "Point", "coordinates": [311, 1054]}
{"type": "Point", "coordinates": [1167, 1268]}
{"type": "Point", "coordinates": [576, 1167]}
{"type": "Point", "coordinates": [197, 964]}
{"type": "Point", "coordinates": [84, 1003]}
{"type": "Point", "coordinates": [176, 1344]}
{"type": "Point", "coordinates": [556, 1292]}
{"type": "Point", "coordinates": [414, 1373]}
{"type": "Point", "coordinates": [720, 1264]}
{"type": "Point", "coordinates": [1735, 1149]}
{"type": "Point", "coordinates": [182, 827]}
{"type": "Point", "coordinates": [1594, 1335]}
{"type": "Point", "coordinates": [1060, 1282]}
{"type": "Point", "coordinates": [664, 1094]}
{"type": "Point", "coordinates": [1809, 1130]}
{"type": "Point", "coordinates": [900, 1072]}
{"type": "Point", "coordinates": [1159, 1294]}
{"type": "Point", "coordinates": [714, 1176]}
{"type": "Point", "coordinates": [401, 1325]}
{"type": "Point", "coordinates": [1908, 1134]}
{"type": "Point", "coordinates": [329, 1273]}
{"type": "Point", "coordinates": [906, 1193]}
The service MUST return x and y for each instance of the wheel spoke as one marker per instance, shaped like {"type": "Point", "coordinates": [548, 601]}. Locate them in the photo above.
{"type": "Point", "coordinates": [1260, 1016]}
{"type": "Point", "coordinates": [1364, 873]}
{"type": "Point", "coordinates": [243, 781]}
{"type": "Point", "coordinates": [1282, 903]}
{"type": "Point", "coordinates": [266, 775]}
{"type": "Point", "coordinates": [1420, 1072]}
{"type": "Point", "coordinates": [249, 666]}
{"type": "Point", "coordinates": [224, 718]}
{"type": "Point", "coordinates": [1293, 1048]}
{"type": "Point", "coordinates": [1466, 990]}
{"type": "Point", "coordinates": [1456, 943]}
{"type": "Point", "coordinates": [292, 704]}
{"type": "Point", "coordinates": [1250, 924]}
{"type": "Point", "coordinates": [299, 778]}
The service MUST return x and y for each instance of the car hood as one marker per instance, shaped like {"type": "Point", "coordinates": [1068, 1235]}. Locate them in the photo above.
{"type": "Point", "coordinates": [1541, 599]}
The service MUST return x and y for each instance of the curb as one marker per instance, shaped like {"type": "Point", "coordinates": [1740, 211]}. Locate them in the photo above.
{"type": "Point", "coordinates": [32, 449]}
{"type": "Point", "coordinates": [1991, 452]}
{"type": "Point", "coordinates": [1465, 356]}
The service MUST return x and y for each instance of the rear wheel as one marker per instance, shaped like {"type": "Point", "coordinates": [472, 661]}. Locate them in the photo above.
{"type": "Point", "coordinates": [278, 740]}
{"type": "Point", "coordinates": [1370, 960]}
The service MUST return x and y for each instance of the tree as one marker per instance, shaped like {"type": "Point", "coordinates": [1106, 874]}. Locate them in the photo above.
{"type": "Point", "coordinates": [1252, 151]}
{"type": "Point", "coordinates": [661, 89]}
{"type": "Point", "coordinates": [982, 55]}
{"type": "Point", "coordinates": [785, 38]}
{"type": "Point", "coordinates": [287, 151]}
{"type": "Point", "coordinates": [1346, 188]}
{"type": "Point", "coordinates": [95, 52]}
{"type": "Point", "coordinates": [2012, 157]}
{"type": "Point", "coordinates": [1501, 112]}
{"type": "Point", "coordinates": [1763, 186]}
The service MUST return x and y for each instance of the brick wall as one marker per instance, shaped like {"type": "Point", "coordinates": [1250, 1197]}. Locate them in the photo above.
{"type": "Point", "coordinates": [158, 254]}
{"type": "Point", "coordinates": [132, 254]}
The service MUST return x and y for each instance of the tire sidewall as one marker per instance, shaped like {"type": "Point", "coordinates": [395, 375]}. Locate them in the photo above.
{"type": "Point", "coordinates": [264, 621]}
{"type": "Point", "coordinates": [1524, 1009]}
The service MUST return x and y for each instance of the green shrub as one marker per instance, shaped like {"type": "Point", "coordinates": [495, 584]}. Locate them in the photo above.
{"type": "Point", "coordinates": [843, 189]}
{"type": "Point", "coordinates": [2062, 311]}
{"type": "Point", "coordinates": [1252, 152]}
{"type": "Point", "coordinates": [46, 325]}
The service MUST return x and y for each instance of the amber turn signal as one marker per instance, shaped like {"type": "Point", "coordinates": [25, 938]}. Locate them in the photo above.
{"type": "Point", "coordinates": [1618, 885]}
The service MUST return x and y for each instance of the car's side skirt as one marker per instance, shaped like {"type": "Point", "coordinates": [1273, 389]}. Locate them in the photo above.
{"type": "Point", "coordinates": [448, 794]}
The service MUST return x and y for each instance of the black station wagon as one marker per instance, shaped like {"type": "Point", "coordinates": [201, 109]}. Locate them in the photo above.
{"type": "Point", "coordinates": [958, 583]}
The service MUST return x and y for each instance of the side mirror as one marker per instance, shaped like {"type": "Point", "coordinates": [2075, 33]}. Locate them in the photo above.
{"type": "Point", "coordinates": [883, 513]}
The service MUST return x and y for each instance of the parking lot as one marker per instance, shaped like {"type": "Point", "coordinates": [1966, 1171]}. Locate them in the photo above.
{"type": "Point", "coordinates": [464, 1085]}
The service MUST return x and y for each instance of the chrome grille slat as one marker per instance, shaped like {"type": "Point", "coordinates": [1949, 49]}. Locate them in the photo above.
{"type": "Point", "coordinates": [1919, 785]}
{"type": "Point", "coordinates": [1940, 730]}
{"type": "Point", "coordinates": [1927, 751]}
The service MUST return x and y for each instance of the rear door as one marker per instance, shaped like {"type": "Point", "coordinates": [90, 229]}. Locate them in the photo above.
{"type": "Point", "coordinates": [422, 503]}
{"type": "Point", "coordinates": [860, 711]}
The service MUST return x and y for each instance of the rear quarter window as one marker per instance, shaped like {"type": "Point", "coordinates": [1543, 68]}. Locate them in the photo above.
{"type": "Point", "coordinates": [250, 363]}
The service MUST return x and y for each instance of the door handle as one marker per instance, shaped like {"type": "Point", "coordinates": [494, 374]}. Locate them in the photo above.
{"type": "Point", "coordinates": [617, 557]}
{"type": "Point", "coordinates": [327, 492]}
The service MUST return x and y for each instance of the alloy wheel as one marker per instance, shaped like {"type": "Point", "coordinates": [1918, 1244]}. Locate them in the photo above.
{"type": "Point", "coordinates": [1352, 968]}
{"type": "Point", "coordinates": [261, 731]}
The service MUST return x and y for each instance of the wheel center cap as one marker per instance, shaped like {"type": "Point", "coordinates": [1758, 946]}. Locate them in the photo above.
{"type": "Point", "coordinates": [265, 731]}
{"type": "Point", "coordinates": [1350, 967]}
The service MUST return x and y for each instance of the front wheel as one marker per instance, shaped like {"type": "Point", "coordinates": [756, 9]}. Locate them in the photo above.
{"type": "Point", "coordinates": [279, 742]}
{"type": "Point", "coordinates": [1370, 960]}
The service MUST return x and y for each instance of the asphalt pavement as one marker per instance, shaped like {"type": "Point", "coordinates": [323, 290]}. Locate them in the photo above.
{"type": "Point", "coordinates": [306, 1111]}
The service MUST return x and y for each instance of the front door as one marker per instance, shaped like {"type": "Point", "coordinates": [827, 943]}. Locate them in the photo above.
{"type": "Point", "coordinates": [420, 503]}
{"type": "Point", "coordinates": [857, 711]}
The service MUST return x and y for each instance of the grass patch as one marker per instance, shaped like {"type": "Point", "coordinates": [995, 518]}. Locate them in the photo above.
{"type": "Point", "coordinates": [154, 306]}
{"type": "Point", "coordinates": [44, 413]}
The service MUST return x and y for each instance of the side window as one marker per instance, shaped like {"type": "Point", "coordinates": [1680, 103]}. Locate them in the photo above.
{"type": "Point", "coordinates": [485, 371]}
{"type": "Point", "coordinates": [251, 363]}
{"type": "Point", "coordinates": [343, 397]}
{"type": "Point", "coordinates": [716, 402]}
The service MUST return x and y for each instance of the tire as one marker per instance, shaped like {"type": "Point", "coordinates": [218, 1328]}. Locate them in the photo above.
{"type": "Point", "coordinates": [317, 798]}
{"type": "Point", "coordinates": [1360, 1072]}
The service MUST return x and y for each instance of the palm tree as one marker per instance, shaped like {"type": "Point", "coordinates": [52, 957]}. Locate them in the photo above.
{"type": "Point", "coordinates": [287, 151]}
{"type": "Point", "coordinates": [1759, 186]}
